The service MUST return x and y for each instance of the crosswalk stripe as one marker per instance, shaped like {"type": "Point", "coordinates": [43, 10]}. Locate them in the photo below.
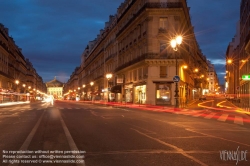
{"type": "Point", "coordinates": [197, 115]}
{"type": "Point", "coordinates": [238, 120]}
{"type": "Point", "coordinates": [209, 116]}
{"type": "Point", "coordinates": [223, 117]}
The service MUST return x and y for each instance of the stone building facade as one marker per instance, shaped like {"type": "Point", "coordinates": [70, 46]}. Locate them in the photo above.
{"type": "Point", "coordinates": [17, 74]}
{"type": "Point", "coordinates": [244, 54]}
{"type": "Point", "coordinates": [134, 47]}
{"type": "Point", "coordinates": [238, 51]}
{"type": "Point", "coordinates": [55, 88]}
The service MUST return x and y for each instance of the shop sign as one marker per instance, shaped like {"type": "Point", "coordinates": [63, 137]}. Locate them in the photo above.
{"type": "Point", "coordinates": [119, 80]}
{"type": "Point", "coordinates": [245, 77]}
{"type": "Point", "coordinates": [129, 86]}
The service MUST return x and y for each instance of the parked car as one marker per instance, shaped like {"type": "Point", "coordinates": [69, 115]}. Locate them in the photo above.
{"type": "Point", "coordinates": [202, 97]}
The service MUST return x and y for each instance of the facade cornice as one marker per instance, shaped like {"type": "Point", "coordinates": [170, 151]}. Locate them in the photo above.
{"type": "Point", "coordinates": [156, 62]}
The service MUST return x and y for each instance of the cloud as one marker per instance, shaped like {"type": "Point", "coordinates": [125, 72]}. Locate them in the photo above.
{"type": "Point", "coordinates": [218, 61]}
{"type": "Point", "coordinates": [54, 33]}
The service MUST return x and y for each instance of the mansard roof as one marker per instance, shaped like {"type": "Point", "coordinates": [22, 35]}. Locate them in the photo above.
{"type": "Point", "coordinates": [54, 83]}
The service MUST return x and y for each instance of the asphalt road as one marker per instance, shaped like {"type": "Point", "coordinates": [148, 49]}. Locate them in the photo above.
{"type": "Point", "coordinates": [99, 135]}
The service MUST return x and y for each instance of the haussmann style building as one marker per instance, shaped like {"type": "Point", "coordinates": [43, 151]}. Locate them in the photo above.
{"type": "Point", "coordinates": [131, 59]}
{"type": "Point", "coordinates": [19, 80]}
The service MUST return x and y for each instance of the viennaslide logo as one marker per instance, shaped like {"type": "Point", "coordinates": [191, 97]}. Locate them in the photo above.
{"type": "Point", "coordinates": [233, 155]}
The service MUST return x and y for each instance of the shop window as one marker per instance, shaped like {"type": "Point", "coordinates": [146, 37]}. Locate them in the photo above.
{"type": "Point", "coordinates": [163, 94]}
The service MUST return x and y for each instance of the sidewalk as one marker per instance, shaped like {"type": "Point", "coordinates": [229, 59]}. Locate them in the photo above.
{"type": "Point", "coordinates": [14, 103]}
{"type": "Point", "coordinates": [238, 109]}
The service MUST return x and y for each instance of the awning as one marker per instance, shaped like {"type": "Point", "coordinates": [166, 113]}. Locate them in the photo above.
{"type": "Point", "coordinates": [116, 89]}
{"type": "Point", "coordinates": [162, 82]}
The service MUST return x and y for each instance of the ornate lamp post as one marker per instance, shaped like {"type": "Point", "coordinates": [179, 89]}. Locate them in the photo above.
{"type": "Point", "coordinates": [17, 82]}
{"type": "Point", "coordinates": [91, 84]}
{"type": "Point", "coordinates": [83, 86]}
{"type": "Point", "coordinates": [108, 76]}
{"type": "Point", "coordinates": [24, 90]}
{"type": "Point", "coordinates": [24, 85]}
{"type": "Point", "coordinates": [175, 43]}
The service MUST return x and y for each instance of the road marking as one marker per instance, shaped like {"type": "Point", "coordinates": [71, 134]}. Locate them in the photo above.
{"type": "Point", "coordinates": [197, 115]}
{"type": "Point", "coordinates": [238, 120]}
{"type": "Point", "coordinates": [223, 117]}
{"type": "Point", "coordinates": [71, 142]}
{"type": "Point", "coordinates": [181, 151]}
{"type": "Point", "coordinates": [209, 116]}
{"type": "Point", "coordinates": [29, 138]}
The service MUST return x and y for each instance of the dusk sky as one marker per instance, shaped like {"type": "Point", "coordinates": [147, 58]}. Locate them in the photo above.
{"type": "Point", "coordinates": [54, 33]}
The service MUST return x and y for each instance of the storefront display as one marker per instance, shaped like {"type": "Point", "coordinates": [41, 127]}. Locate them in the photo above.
{"type": "Point", "coordinates": [163, 94]}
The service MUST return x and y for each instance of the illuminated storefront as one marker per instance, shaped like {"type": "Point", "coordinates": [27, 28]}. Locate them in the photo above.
{"type": "Point", "coordinates": [163, 93]}
{"type": "Point", "coordinates": [129, 93]}
{"type": "Point", "coordinates": [140, 94]}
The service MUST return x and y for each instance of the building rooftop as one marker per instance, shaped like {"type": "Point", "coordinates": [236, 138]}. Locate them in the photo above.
{"type": "Point", "coordinates": [54, 83]}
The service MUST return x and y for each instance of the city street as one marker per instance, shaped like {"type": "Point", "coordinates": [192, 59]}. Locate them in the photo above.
{"type": "Point", "coordinates": [107, 135]}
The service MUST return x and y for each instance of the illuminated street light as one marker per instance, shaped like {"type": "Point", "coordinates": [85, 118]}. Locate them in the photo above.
{"type": "Point", "coordinates": [175, 43]}
{"type": "Point", "coordinates": [229, 61]}
{"type": "Point", "coordinates": [108, 76]}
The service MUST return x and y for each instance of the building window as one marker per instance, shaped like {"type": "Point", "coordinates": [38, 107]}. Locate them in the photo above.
{"type": "Point", "coordinates": [163, 71]}
{"type": "Point", "coordinates": [163, 23]}
{"type": "Point", "coordinates": [163, 46]}
{"type": "Point", "coordinates": [163, 93]}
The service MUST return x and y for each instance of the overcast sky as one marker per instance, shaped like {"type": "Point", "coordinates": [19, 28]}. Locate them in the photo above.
{"type": "Point", "coordinates": [54, 33]}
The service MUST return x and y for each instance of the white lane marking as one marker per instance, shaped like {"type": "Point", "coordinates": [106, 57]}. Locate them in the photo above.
{"type": "Point", "coordinates": [223, 117]}
{"type": "Point", "coordinates": [210, 116]}
{"type": "Point", "coordinates": [238, 120]}
{"type": "Point", "coordinates": [181, 151]}
{"type": "Point", "coordinates": [197, 115]}
{"type": "Point", "coordinates": [71, 142]}
{"type": "Point", "coordinates": [29, 138]}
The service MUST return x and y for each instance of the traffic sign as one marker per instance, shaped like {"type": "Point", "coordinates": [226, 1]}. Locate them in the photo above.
{"type": "Point", "coordinates": [176, 78]}
{"type": "Point", "coordinates": [245, 77]}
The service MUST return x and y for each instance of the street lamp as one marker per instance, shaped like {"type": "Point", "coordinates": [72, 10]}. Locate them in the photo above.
{"type": "Point", "coordinates": [229, 61]}
{"type": "Point", "coordinates": [108, 76]}
{"type": "Point", "coordinates": [17, 82]}
{"type": "Point", "coordinates": [175, 43]}
{"type": "Point", "coordinates": [91, 84]}
{"type": "Point", "coordinates": [83, 86]}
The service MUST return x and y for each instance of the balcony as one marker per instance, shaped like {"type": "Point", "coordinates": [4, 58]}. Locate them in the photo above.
{"type": "Point", "coordinates": [162, 30]}
{"type": "Point", "coordinates": [147, 5]}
